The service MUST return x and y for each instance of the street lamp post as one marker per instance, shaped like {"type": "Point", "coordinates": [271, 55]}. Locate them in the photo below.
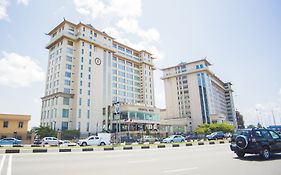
{"type": "Point", "coordinates": [117, 116]}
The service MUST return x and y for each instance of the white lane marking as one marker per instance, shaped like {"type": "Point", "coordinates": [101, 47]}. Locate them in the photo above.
{"type": "Point", "coordinates": [9, 170]}
{"type": "Point", "coordinates": [2, 163]}
{"type": "Point", "coordinates": [142, 161]}
{"type": "Point", "coordinates": [180, 170]}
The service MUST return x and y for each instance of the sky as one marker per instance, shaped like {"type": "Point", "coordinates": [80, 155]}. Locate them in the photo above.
{"type": "Point", "coordinates": [241, 39]}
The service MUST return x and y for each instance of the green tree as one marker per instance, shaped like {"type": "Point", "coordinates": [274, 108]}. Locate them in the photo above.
{"type": "Point", "coordinates": [42, 132]}
{"type": "Point", "coordinates": [251, 126]}
{"type": "Point", "coordinates": [70, 134]}
{"type": "Point", "coordinates": [209, 128]}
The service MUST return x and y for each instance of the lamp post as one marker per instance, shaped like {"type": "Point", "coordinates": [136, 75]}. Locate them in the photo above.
{"type": "Point", "coordinates": [117, 117]}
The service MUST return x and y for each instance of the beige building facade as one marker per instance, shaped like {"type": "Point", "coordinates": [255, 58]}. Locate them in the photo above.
{"type": "Point", "coordinates": [14, 125]}
{"type": "Point", "coordinates": [87, 72]}
{"type": "Point", "coordinates": [195, 95]}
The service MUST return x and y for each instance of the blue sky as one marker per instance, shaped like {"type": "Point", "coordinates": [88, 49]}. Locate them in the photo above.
{"type": "Point", "coordinates": [242, 40]}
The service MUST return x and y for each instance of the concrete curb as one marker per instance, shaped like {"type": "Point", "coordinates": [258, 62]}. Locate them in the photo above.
{"type": "Point", "coordinates": [133, 146]}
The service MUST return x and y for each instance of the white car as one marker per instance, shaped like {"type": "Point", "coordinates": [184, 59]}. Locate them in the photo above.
{"type": "Point", "coordinates": [50, 141]}
{"type": "Point", "coordinates": [67, 143]}
{"type": "Point", "coordinates": [100, 139]}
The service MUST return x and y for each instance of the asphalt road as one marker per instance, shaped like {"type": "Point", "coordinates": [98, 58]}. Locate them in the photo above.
{"type": "Point", "coordinates": [195, 160]}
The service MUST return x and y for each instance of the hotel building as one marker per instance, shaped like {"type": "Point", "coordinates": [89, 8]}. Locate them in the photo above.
{"type": "Point", "coordinates": [195, 95]}
{"type": "Point", "coordinates": [87, 72]}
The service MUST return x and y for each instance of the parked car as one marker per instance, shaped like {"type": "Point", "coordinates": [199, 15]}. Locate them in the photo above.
{"type": "Point", "coordinates": [50, 141]}
{"type": "Point", "coordinates": [148, 138]}
{"type": "Point", "coordinates": [174, 138]}
{"type": "Point", "coordinates": [215, 136]}
{"type": "Point", "coordinates": [100, 139]}
{"type": "Point", "coordinates": [256, 141]}
{"type": "Point", "coordinates": [67, 143]}
{"type": "Point", "coordinates": [195, 137]}
{"type": "Point", "coordinates": [128, 139]}
{"type": "Point", "coordinates": [37, 142]}
{"type": "Point", "coordinates": [228, 135]}
{"type": "Point", "coordinates": [10, 141]}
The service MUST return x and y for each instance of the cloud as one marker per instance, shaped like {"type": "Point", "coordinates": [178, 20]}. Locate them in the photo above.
{"type": "Point", "coordinates": [23, 2]}
{"type": "Point", "coordinates": [263, 113]}
{"type": "Point", "coordinates": [3, 9]}
{"type": "Point", "coordinates": [100, 9]}
{"type": "Point", "coordinates": [19, 71]}
{"type": "Point", "coordinates": [4, 5]}
{"type": "Point", "coordinates": [280, 92]}
{"type": "Point", "coordinates": [127, 14]}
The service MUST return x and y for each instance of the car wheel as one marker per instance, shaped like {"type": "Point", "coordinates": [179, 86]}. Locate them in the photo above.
{"type": "Point", "coordinates": [240, 154]}
{"type": "Point", "coordinates": [265, 153]}
{"type": "Point", "coordinates": [171, 141]}
{"type": "Point", "coordinates": [84, 144]}
{"type": "Point", "coordinates": [102, 144]}
{"type": "Point", "coordinates": [182, 140]}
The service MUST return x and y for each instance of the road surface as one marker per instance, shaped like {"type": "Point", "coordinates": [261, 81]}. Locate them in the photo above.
{"type": "Point", "coordinates": [195, 160]}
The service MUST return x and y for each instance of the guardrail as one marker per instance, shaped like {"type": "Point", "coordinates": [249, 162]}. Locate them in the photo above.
{"type": "Point", "coordinates": [147, 145]}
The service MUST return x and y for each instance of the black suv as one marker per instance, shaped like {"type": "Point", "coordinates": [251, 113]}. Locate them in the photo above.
{"type": "Point", "coordinates": [256, 141]}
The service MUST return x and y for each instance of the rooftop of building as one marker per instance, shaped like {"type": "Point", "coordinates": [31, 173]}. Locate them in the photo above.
{"type": "Point", "coordinates": [98, 31]}
{"type": "Point", "coordinates": [187, 63]}
{"type": "Point", "coordinates": [15, 116]}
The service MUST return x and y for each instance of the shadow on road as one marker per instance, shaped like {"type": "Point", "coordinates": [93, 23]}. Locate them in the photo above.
{"type": "Point", "coordinates": [258, 158]}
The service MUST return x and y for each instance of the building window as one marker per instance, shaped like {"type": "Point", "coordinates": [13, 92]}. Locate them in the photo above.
{"type": "Point", "coordinates": [20, 125]}
{"type": "Point", "coordinates": [69, 58]}
{"type": "Point", "coordinates": [68, 66]}
{"type": "Point", "coordinates": [80, 101]}
{"type": "Point", "coordinates": [5, 124]}
{"type": "Point", "coordinates": [64, 125]}
{"type": "Point", "coordinates": [66, 82]}
{"type": "Point", "coordinates": [79, 113]}
{"type": "Point", "coordinates": [68, 74]}
{"type": "Point", "coordinates": [88, 114]}
{"type": "Point", "coordinates": [65, 101]}
{"type": "Point", "coordinates": [66, 90]}
{"type": "Point", "coordinates": [69, 51]}
{"type": "Point", "coordinates": [70, 43]}
{"type": "Point", "coordinates": [88, 126]}
{"type": "Point", "coordinates": [65, 113]}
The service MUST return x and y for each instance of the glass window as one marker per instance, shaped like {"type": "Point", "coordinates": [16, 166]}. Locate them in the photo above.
{"type": "Point", "coordinates": [114, 91]}
{"type": "Point", "coordinates": [114, 85]}
{"type": "Point", "coordinates": [121, 66]}
{"type": "Point", "coordinates": [122, 80]}
{"type": "Point", "coordinates": [20, 125]}
{"type": "Point", "coordinates": [121, 61]}
{"type": "Point", "coordinates": [114, 71]}
{"type": "Point", "coordinates": [5, 124]}
{"type": "Point", "coordinates": [66, 90]}
{"type": "Point", "coordinates": [114, 78]}
{"type": "Point", "coordinates": [121, 73]}
{"type": "Point", "coordinates": [79, 113]}
{"type": "Point", "coordinates": [88, 102]}
{"type": "Point", "coordinates": [66, 82]}
{"type": "Point", "coordinates": [69, 58]}
{"type": "Point", "coordinates": [114, 64]}
{"type": "Point", "coordinates": [68, 66]}
{"type": "Point", "coordinates": [274, 135]}
{"type": "Point", "coordinates": [65, 100]}
{"type": "Point", "coordinates": [69, 50]}
{"type": "Point", "coordinates": [64, 125]}
{"type": "Point", "coordinates": [88, 114]}
{"type": "Point", "coordinates": [67, 74]}
{"type": "Point", "coordinates": [65, 113]}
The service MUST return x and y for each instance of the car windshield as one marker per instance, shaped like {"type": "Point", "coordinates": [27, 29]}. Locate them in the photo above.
{"type": "Point", "coordinates": [241, 132]}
